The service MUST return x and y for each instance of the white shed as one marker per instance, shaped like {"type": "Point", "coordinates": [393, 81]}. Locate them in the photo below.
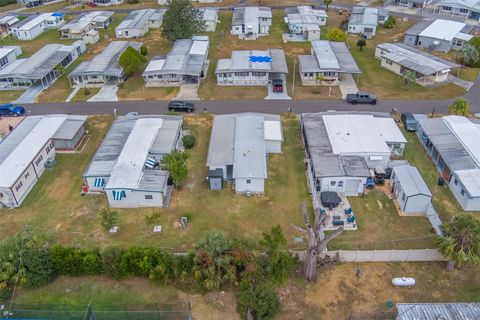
{"type": "Point", "coordinates": [409, 189]}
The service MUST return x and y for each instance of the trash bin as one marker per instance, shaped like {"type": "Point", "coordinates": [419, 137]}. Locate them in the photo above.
{"type": "Point", "coordinates": [441, 181]}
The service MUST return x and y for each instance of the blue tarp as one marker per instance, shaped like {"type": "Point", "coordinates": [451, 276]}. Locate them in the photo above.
{"type": "Point", "coordinates": [265, 59]}
{"type": "Point", "coordinates": [57, 14]}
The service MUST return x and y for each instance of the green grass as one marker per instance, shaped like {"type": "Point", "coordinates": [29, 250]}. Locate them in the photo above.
{"type": "Point", "coordinates": [443, 200]}
{"type": "Point", "coordinates": [29, 47]}
{"type": "Point", "coordinates": [469, 74]}
{"type": "Point", "coordinates": [84, 95]}
{"type": "Point", "coordinates": [56, 209]}
{"type": "Point", "coordinates": [56, 6]}
{"type": "Point", "coordinates": [381, 227]}
{"type": "Point", "coordinates": [7, 96]}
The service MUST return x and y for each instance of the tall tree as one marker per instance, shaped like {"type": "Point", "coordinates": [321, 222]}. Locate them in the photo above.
{"type": "Point", "coordinates": [327, 3]}
{"type": "Point", "coordinates": [182, 20]}
{"type": "Point", "coordinates": [459, 107]}
{"type": "Point", "coordinates": [469, 54]}
{"type": "Point", "coordinates": [408, 77]}
{"type": "Point", "coordinates": [317, 241]}
{"type": "Point", "coordinates": [361, 43]}
{"type": "Point", "coordinates": [176, 165]}
{"type": "Point", "coordinates": [460, 242]}
{"type": "Point", "coordinates": [279, 263]}
{"type": "Point", "coordinates": [132, 61]}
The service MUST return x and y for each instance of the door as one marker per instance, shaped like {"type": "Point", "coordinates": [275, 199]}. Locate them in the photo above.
{"type": "Point", "coordinates": [351, 186]}
{"type": "Point", "coordinates": [215, 183]}
{"type": "Point", "coordinates": [229, 172]}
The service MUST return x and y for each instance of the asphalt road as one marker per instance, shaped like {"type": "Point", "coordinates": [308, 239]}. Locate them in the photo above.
{"type": "Point", "coordinates": [231, 106]}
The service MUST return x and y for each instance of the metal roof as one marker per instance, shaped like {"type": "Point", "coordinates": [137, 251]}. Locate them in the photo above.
{"type": "Point", "coordinates": [416, 60]}
{"type": "Point", "coordinates": [304, 15]}
{"type": "Point", "coordinates": [366, 16]}
{"type": "Point", "coordinates": [223, 139]}
{"type": "Point", "coordinates": [329, 163]}
{"type": "Point", "coordinates": [241, 61]}
{"type": "Point", "coordinates": [40, 63]}
{"type": "Point", "coordinates": [473, 5]}
{"type": "Point", "coordinates": [20, 148]}
{"type": "Point", "coordinates": [443, 311]}
{"type": "Point", "coordinates": [70, 127]}
{"type": "Point", "coordinates": [250, 158]}
{"type": "Point", "coordinates": [83, 20]}
{"type": "Point", "coordinates": [139, 19]}
{"type": "Point", "coordinates": [32, 21]}
{"type": "Point", "coordinates": [106, 63]}
{"type": "Point", "coordinates": [411, 181]}
{"type": "Point", "coordinates": [328, 56]}
{"type": "Point", "coordinates": [9, 20]}
{"type": "Point", "coordinates": [470, 179]}
{"type": "Point", "coordinates": [124, 150]}
{"type": "Point", "coordinates": [209, 14]}
{"type": "Point", "coordinates": [447, 144]}
{"type": "Point", "coordinates": [187, 56]}
{"type": "Point", "coordinates": [250, 15]}
{"type": "Point", "coordinates": [442, 29]}
{"type": "Point", "coordinates": [467, 134]}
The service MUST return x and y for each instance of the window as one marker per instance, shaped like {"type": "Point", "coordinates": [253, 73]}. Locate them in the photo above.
{"type": "Point", "coordinates": [38, 160]}
{"type": "Point", "coordinates": [19, 185]}
{"type": "Point", "coordinates": [249, 181]}
{"type": "Point", "coordinates": [457, 42]}
{"type": "Point", "coordinates": [446, 8]}
{"type": "Point", "coordinates": [340, 184]}
{"type": "Point", "coordinates": [27, 175]}
{"type": "Point", "coordinates": [462, 192]}
{"type": "Point", "coordinates": [259, 74]}
{"type": "Point", "coordinates": [388, 62]}
{"type": "Point", "coordinates": [455, 181]}
{"type": "Point", "coordinates": [463, 10]}
{"type": "Point", "coordinates": [329, 74]}
{"type": "Point", "coordinates": [403, 197]}
{"type": "Point", "coordinates": [333, 183]}
{"type": "Point", "coordinates": [148, 197]}
{"type": "Point", "coordinates": [241, 74]}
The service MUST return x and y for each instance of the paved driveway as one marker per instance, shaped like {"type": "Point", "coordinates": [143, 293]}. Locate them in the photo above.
{"type": "Point", "coordinates": [30, 94]}
{"type": "Point", "coordinates": [188, 92]}
{"type": "Point", "coordinates": [106, 93]}
{"type": "Point", "coordinates": [347, 85]}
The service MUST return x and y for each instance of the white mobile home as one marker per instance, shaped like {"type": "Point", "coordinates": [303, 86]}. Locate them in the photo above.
{"type": "Point", "coordinates": [103, 68]}
{"type": "Point", "coordinates": [452, 143]}
{"type": "Point", "coordinates": [185, 63]}
{"type": "Point", "coordinates": [327, 64]}
{"type": "Point", "coordinates": [409, 190]}
{"type": "Point", "coordinates": [79, 26]}
{"type": "Point", "coordinates": [399, 57]}
{"type": "Point", "coordinates": [305, 21]}
{"type": "Point", "coordinates": [252, 68]}
{"type": "Point", "coordinates": [210, 18]}
{"type": "Point", "coordinates": [107, 3]}
{"type": "Point", "coordinates": [9, 54]}
{"type": "Point", "coordinates": [34, 25]}
{"type": "Point", "coordinates": [43, 67]}
{"type": "Point", "coordinates": [364, 20]}
{"type": "Point", "coordinates": [27, 148]}
{"type": "Point", "coordinates": [138, 22]}
{"type": "Point", "coordinates": [341, 147]}
{"type": "Point", "coordinates": [249, 23]}
{"type": "Point", "coordinates": [469, 9]}
{"type": "Point", "coordinates": [126, 166]}
{"type": "Point", "coordinates": [239, 148]}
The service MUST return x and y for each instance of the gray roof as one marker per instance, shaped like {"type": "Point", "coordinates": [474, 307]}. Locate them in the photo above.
{"type": "Point", "coordinates": [250, 15]}
{"type": "Point", "coordinates": [411, 181]}
{"type": "Point", "coordinates": [70, 127]}
{"type": "Point", "coordinates": [140, 18]}
{"type": "Point", "coordinates": [443, 311]}
{"type": "Point", "coordinates": [250, 157]}
{"type": "Point", "coordinates": [473, 5]}
{"type": "Point", "coordinates": [415, 59]}
{"type": "Point", "coordinates": [221, 150]}
{"type": "Point", "coordinates": [325, 163]}
{"type": "Point", "coordinates": [106, 63]}
{"type": "Point", "coordinates": [366, 15]}
{"type": "Point", "coordinates": [153, 180]}
{"type": "Point", "coordinates": [40, 63]}
{"type": "Point", "coordinates": [240, 61]}
{"type": "Point", "coordinates": [85, 19]}
{"type": "Point", "coordinates": [328, 56]}
{"type": "Point", "coordinates": [209, 14]}
{"type": "Point", "coordinates": [417, 28]}
{"type": "Point", "coordinates": [112, 145]}
{"type": "Point", "coordinates": [447, 144]}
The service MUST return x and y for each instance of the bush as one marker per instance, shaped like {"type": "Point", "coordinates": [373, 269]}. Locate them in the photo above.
{"type": "Point", "coordinates": [5, 292]}
{"type": "Point", "coordinates": [259, 299]}
{"type": "Point", "coordinates": [75, 262]}
{"type": "Point", "coordinates": [111, 262]}
{"type": "Point", "coordinates": [39, 268]}
{"type": "Point", "coordinates": [86, 91]}
{"type": "Point", "coordinates": [132, 61]}
{"type": "Point", "coordinates": [109, 218]}
{"type": "Point", "coordinates": [189, 141]}
{"type": "Point", "coordinates": [91, 262]}
{"type": "Point", "coordinates": [143, 50]}
{"type": "Point", "coordinates": [390, 23]}
{"type": "Point", "coordinates": [153, 219]}
{"type": "Point", "coordinates": [137, 261]}
{"type": "Point", "coordinates": [336, 34]}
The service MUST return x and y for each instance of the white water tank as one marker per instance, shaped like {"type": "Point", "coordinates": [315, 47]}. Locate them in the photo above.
{"type": "Point", "coordinates": [403, 282]}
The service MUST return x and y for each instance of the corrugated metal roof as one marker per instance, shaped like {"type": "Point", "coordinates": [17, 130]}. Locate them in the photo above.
{"type": "Point", "coordinates": [470, 180]}
{"type": "Point", "coordinates": [443, 29]}
{"type": "Point", "coordinates": [249, 153]}
{"type": "Point", "coordinates": [411, 181]}
{"type": "Point", "coordinates": [83, 20]}
{"type": "Point", "coordinates": [304, 15]}
{"type": "Point", "coordinates": [139, 19]}
{"type": "Point", "coordinates": [32, 21]}
{"type": "Point", "coordinates": [70, 127]}
{"type": "Point", "coordinates": [328, 56]}
{"type": "Point", "coordinates": [467, 134]}
{"type": "Point", "coordinates": [437, 311]}
{"type": "Point", "coordinates": [241, 61]}
{"type": "Point", "coordinates": [416, 60]}
{"type": "Point", "coordinates": [166, 137]}
{"type": "Point", "coordinates": [209, 14]}
{"type": "Point", "coordinates": [250, 15]}
{"type": "Point", "coordinates": [365, 16]}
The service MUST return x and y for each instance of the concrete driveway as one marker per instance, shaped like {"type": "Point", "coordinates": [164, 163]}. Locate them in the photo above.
{"type": "Point", "coordinates": [30, 94]}
{"type": "Point", "coordinates": [106, 93]}
{"type": "Point", "coordinates": [188, 92]}
{"type": "Point", "coordinates": [347, 85]}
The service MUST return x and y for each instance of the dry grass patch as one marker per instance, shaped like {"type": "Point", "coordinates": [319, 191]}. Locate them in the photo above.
{"type": "Point", "coordinates": [7, 96]}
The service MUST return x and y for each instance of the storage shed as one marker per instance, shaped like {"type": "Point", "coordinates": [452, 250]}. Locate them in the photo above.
{"type": "Point", "coordinates": [215, 179]}
{"type": "Point", "coordinates": [409, 189]}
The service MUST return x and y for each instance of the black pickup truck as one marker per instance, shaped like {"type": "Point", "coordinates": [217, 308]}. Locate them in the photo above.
{"type": "Point", "coordinates": [361, 97]}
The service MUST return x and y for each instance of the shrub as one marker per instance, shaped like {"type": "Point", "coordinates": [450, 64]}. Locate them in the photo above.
{"type": "Point", "coordinates": [91, 262]}
{"type": "Point", "coordinates": [390, 23]}
{"type": "Point", "coordinates": [153, 219]}
{"type": "Point", "coordinates": [132, 61]}
{"type": "Point", "coordinates": [137, 261]}
{"type": "Point", "coordinates": [336, 34]}
{"type": "Point", "coordinates": [259, 299]}
{"type": "Point", "coordinates": [133, 1]}
{"type": "Point", "coordinates": [39, 268]}
{"type": "Point", "coordinates": [143, 50]}
{"type": "Point", "coordinates": [109, 218]}
{"type": "Point", "coordinates": [5, 292]}
{"type": "Point", "coordinates": [189, 141]}
{"type": "Point", "coordinates": [176, 165]}
{"type": "Point", "coordinates": [459, 107]}
{"type": "Point", "coordinates": [111, 262]}
{"type": "Point", "coordinates": [86, 91]}
{"type": "Point", "coordinates": [67, 261]}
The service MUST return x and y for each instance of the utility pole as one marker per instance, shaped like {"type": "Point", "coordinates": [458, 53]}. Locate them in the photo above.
{"type": "Point", "coordinates": [293, 81]}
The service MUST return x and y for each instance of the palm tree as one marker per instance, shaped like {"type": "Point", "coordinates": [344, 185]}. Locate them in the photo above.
{"type": "Point", "coordinates": [469, 54]}
{"type": "Point", "coordinates": [409, 76]}
{"type": "Point", "coordinates": [327, 3]}
{"type": "Point", "coordinates": [460, 243]}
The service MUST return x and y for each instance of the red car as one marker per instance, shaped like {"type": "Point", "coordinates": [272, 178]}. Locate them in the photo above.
{"type": "Point", "coordinates": [92, 4]}
{"type": "Point", "coordinates": [277, 85]}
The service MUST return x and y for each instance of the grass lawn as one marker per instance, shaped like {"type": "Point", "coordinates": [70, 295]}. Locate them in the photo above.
{"type": "Point", "coordinates": [11, 6]}
{"type": "Point", "coordinates": [381, 227]}
{"type": "Point", "coordinates": [56, 6]}
{"type": "Point", "coordinates": [336, 293]}
{"type": "Point", "coordinates": [85, 94]}
{"type": "Point", "coordinates": [222, 48]}
{"type": "Point", "coordinates": [29, 47]}
{"type": "Point", "coordinates": [469, 74]}
{"type": "Point", "coordinates": [7, 96]}
{"type": "Point", "coordinates": [443, 200]}
{"type": "Point", "coordinates": [75, 221]}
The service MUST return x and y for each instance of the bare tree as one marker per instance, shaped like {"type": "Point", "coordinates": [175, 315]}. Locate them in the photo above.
{"type": "Point", "coordinates": [316, 241]}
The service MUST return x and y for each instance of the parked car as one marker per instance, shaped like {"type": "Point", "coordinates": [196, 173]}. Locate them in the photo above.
{"type": "Point", "coordinates": [11, 110]}
{"type": "Point", "coordinates": [92, 4]}
{"type": "Point", "coordinates": [361, 97]}
{"type": "Point", "coordinates": [184, 106]}
{"type": "Point", "coordinates": [409, 122]}
{"type": "Point", "coordinates": [277, 85]}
